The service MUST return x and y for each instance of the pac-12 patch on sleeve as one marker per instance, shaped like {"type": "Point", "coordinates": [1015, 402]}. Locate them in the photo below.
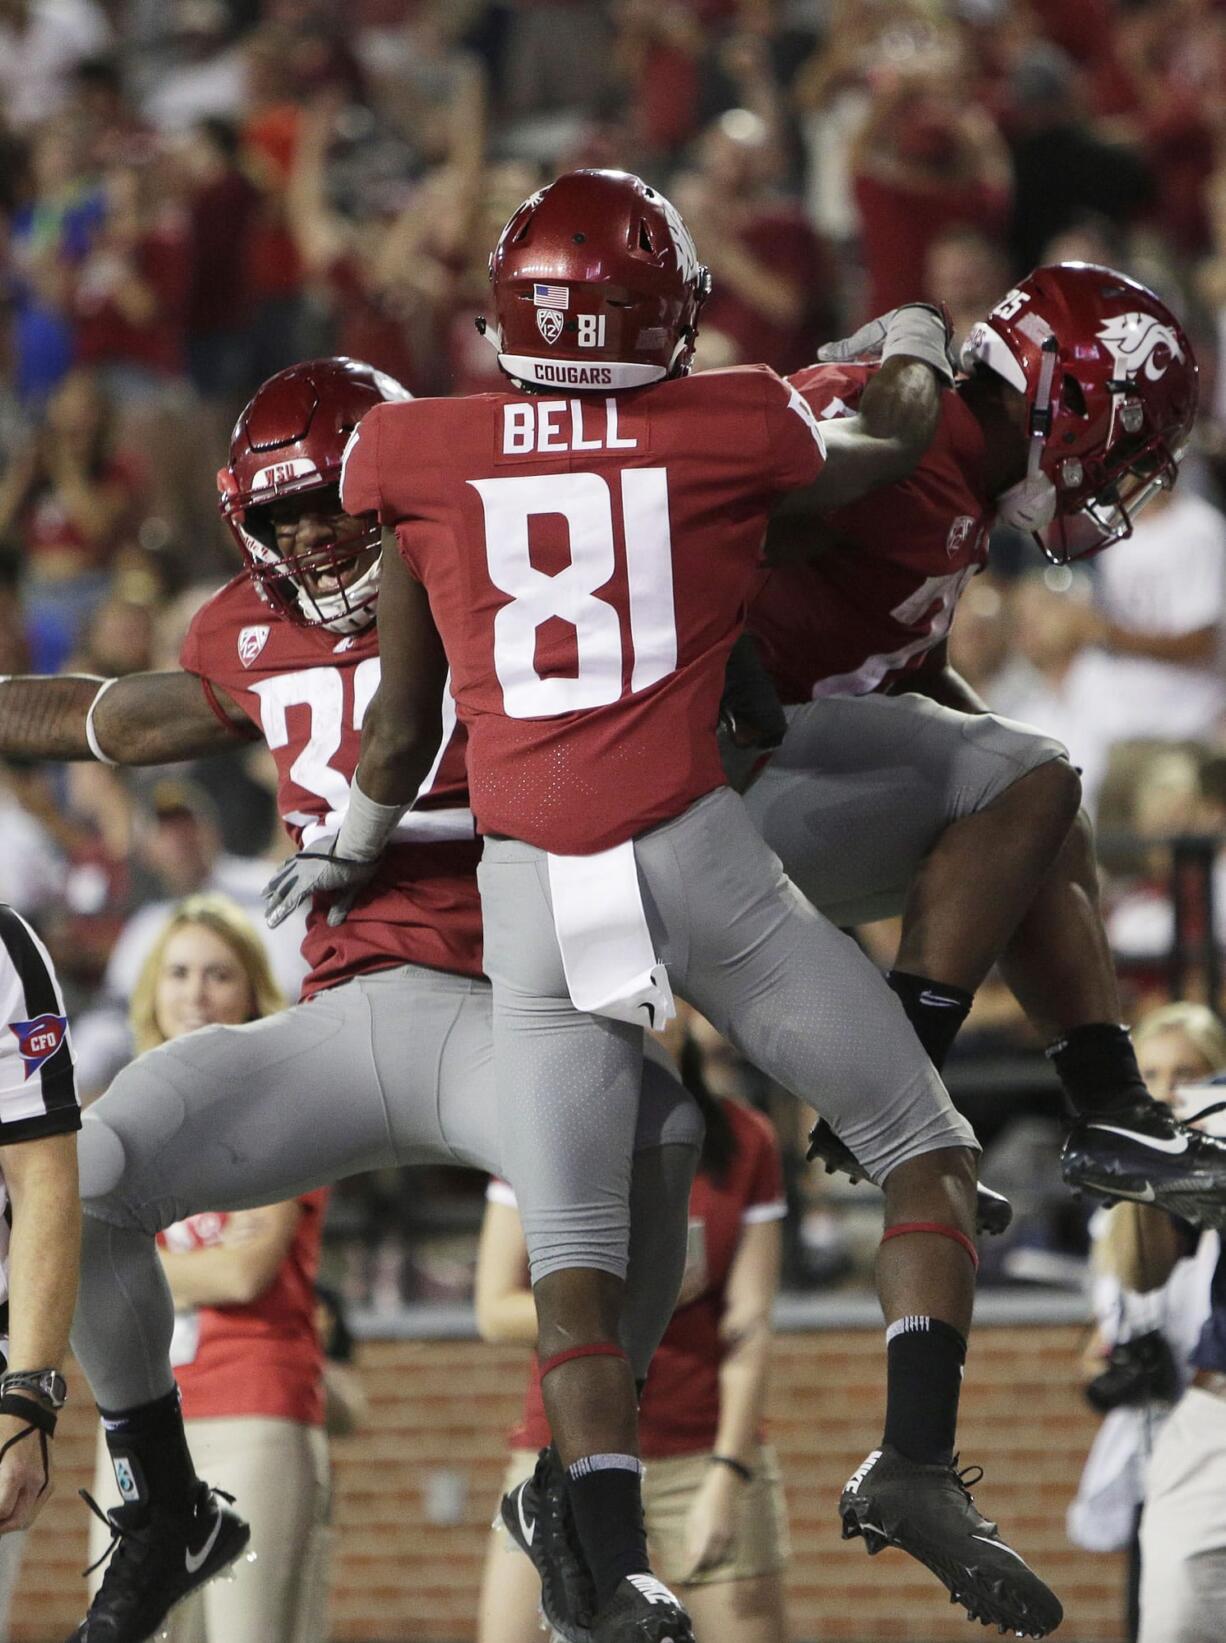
{"type": "Point", "coordinates": [38, 1040]}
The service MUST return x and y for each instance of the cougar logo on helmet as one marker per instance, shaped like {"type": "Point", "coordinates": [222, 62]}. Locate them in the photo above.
{"type": "Point", "coordinates": [1139, 342]}
{"type": "Point", "coordinates": [686, 252]}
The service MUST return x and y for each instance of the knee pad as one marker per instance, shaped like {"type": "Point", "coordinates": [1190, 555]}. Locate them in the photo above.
{"type": "Point", "coordinates": [100, 1160]}
{"type": "Point", "coordinates": [122, 1137]}
{"type": "Point", "coordinates": [996, 753]}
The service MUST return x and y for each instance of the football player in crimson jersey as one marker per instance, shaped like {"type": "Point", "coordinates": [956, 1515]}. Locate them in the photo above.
{"type": "Point", "coordinates": [583, 563]}
{"type": "Point", "coordinates": [1080, 398]}
{"type": "Point", "coordinates": [388, 1061]}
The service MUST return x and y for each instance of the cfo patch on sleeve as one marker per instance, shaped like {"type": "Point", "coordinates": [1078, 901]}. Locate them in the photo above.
{"type": "Point", "coordinates": [38, 1040]}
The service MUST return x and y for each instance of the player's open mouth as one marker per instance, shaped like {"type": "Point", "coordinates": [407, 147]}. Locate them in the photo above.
{"type": "Point", "coordinates": [336, 577]}
{"type": "Point", "coordinates": [331, 581]}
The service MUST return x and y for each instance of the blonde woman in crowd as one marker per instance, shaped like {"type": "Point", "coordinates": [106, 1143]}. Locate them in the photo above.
{"type": "Point", "coordinates": [246, 1351]}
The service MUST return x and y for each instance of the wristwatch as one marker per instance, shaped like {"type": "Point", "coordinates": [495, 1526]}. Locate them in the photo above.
{"type": "Point", "coordinates": [48, 1383]}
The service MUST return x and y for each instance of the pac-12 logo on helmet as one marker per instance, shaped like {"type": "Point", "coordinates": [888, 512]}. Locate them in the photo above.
{"type": "Point", "coordinates": [602, 268]}
{"type": "Point", "coordinates": [1140, 342]}
{"type": "Point", "coordinates": [38, 1040]}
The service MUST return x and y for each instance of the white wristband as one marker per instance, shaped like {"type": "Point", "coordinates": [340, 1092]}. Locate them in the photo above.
{"type": "Point", "coordinates": [366, 827]}
{"type": "Point", "coordinates": [91, 735]}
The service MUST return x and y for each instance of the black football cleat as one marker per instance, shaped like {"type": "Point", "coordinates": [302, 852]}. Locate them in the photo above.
{"type": "Point", "coordinates": [642, 1610]}
{"type": "Point", "coordinates": [536, 1515]}
{"type": "Point", "coordinates": [928, 1512]}
{"type": "Point", "coordinates": [1139, 1152]}
{"type": "Point", "coordinates": [157, 1558]}
{"type": "Point", "coordinates": [993, 1211]}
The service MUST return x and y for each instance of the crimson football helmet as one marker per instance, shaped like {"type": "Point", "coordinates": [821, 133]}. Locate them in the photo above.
{"type": "Point", "coordinates": [596, 285]}
{"type": "Point", "coordinates": [1111, 380]}
{"type": "Point", "coordinates": [290, 440]}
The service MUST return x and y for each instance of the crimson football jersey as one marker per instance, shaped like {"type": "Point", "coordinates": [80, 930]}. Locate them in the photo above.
{"type": "Point", "coordinates": [588, 562]}
{"type": "Point", "coordinates": [307, 691]}
{"type": "Point", "coordinates": [883, 592]}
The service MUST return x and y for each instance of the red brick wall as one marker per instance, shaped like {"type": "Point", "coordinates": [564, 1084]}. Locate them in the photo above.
{"type": "Point", "coordinates": [442, 1406]}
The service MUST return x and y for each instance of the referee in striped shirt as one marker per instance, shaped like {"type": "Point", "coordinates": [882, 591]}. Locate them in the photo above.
{"type": "Point", "coordinates": [40, 1216]}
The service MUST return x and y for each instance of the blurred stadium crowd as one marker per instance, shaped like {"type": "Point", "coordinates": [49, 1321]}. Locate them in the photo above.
{"type": "Point", "coordinates": [195, 193]}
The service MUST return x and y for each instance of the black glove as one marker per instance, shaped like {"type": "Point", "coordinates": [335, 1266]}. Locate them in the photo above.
{"type": "Point", "coordinates": [750, 712]}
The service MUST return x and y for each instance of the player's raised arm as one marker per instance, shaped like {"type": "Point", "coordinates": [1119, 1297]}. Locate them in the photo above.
{"type": "Point", "coordinates": [898, 416]}
{"type": "Point", "coordinates": [145, 718]}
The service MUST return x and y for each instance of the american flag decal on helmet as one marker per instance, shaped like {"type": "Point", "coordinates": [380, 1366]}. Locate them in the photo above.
{"type": "Point", "coordinates": [551, 296]}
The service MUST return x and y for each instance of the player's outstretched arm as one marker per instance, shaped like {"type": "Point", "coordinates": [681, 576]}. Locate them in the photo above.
{"type": "Point", "coordinates": [145, 718]}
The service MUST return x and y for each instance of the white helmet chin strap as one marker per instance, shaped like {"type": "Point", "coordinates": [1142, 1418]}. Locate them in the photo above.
{"type": "Point", "coordinates": [1030, 505]}
{"type": "Point", "coordinates": [336, 608]}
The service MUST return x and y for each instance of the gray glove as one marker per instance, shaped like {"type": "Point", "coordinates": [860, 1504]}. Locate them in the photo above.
{"type": "Point", "coordinates": [866, 343]}
{"type": "Point", "coordinates": [921, 329]}
{"type": "Point", "coordinates": [317, 871]}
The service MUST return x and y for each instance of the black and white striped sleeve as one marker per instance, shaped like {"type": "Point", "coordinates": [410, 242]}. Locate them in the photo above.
{"type": "Point", "coordinates": [38, 1087]}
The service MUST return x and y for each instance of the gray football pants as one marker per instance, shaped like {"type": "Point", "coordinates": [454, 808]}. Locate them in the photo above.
{"type": "Point", "coordinates": [794, 995]}
{"type": "Point", "coordinates": [393, 1068]}
{"type": "Point", "coordinates": [863, 787]}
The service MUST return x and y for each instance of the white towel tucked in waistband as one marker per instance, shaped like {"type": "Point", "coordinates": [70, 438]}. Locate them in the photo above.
{"type": "Point", "coordinates": [607, 952]}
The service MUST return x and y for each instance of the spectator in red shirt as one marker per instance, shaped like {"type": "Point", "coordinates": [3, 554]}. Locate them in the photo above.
{"type": "Point", "coordinates": [927, 157]}
{"type": "Point", "coordinates": [712, 1495]}
{"type": "Point", "coordinates": [131, 288]}
{"type": "Point", "coordinates": [773, 285]}
{"type": "Point", "coordinates": [344, 259]}
{"type": "Point", "coordinates": [223, 210]}
{"type": "Point", "coordinates": [1160, 82]}
{"type": "Point", "coordinates": [246, 1352]}
{"type": "Point", "coordinates": [1064, 170]}
{"type": "Point", "coordinates": [472, 365]}
{"type": "Point", "coordinates": [107, 122]}
{"type": "Point", "coordinates": [69, 501]}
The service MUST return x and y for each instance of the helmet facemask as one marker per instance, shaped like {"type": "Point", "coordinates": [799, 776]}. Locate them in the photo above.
{"type": "Point", "coordinates": [1088, 505]}
{"type": "Point", "coordinates": [332, 584]}
{"type": "Point", "coordinates": [1109, 515]}
{"type": "Point", "coordinates": [1108, 432]}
